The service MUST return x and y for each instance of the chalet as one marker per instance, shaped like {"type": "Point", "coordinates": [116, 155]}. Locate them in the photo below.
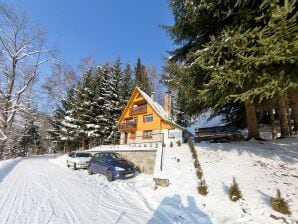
{"type": "Point", "coordinates": [144, 120]}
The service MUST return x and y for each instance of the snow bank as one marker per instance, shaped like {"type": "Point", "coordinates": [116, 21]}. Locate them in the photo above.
{"type": "Point", "coordinates": [59, 160]}
{"type": "Point", "coordinates": [7, 165]}
{"type": "Point", "coordinates": [129, 147]}
{"type": "Point", "coordinates": [259, 168]}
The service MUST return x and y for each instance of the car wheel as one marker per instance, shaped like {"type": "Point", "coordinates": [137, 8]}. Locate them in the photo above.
{"type": "Point", "coordinates": [89, 171]}
{"type": "Point", "coordinates": [75, 166]}
{"type": "Point", "coordinates": [109, 175]}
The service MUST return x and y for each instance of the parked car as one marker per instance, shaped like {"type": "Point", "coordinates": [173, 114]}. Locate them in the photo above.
{"type": "Point", "coordinates": [111, 165]}
{"type": "Point", "coordinates": [78, 159]}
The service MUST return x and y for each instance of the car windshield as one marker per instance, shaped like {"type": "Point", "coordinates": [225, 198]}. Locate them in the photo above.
{"type": "Point", "coordinates": [110, 156]}
{"type": "Point", "coordinates": [83, 154]}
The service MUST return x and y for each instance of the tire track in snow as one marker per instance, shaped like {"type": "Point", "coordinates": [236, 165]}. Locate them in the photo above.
{"type": "Point", "coordinates": [39, 192]}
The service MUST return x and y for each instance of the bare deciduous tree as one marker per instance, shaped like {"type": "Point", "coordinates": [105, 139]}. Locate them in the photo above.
{"type": "Point", "coordinates": [62, 78]}
{"type": "Point", "coordinates": [21, 54]}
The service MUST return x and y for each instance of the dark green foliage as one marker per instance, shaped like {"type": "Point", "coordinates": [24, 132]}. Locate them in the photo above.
{"type": "Point", "coordinates": [203, 188]}
{"type": "Point", "coordinates": [231, 52]}
{"type": "Point", "coordinates": [30, 138]}
{"type": "Point", "coordinates": [279, 204]}
{"type": "Point", "coordinates": [234, 191]}
{"type": "Point", "coordinates": [142, 80]}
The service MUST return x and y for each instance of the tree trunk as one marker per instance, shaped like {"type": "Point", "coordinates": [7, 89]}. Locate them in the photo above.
{"type": "Point", "coordinates": [272, 121]}
{"type": "Point", "coordinates": [295, 112]}
{"type": "Point", "coordinates": [2, 143]}
{"type": "Point", "coordinates": [83, 144]}
{"type": "Point", "coordinates": [252, 122]}
{"type": "Point", "coordinates": [282, 112]}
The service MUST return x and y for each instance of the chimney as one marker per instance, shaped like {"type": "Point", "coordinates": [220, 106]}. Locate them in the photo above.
{"type": "Point", "coordinates": [168, 103]}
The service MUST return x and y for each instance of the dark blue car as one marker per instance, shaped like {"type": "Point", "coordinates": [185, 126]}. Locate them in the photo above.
{"type": "Point", "coordinates": [111, 165]}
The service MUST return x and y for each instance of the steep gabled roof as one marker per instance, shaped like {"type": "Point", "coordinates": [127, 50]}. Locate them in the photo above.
{"type": "Point", "coordinates": [156, 107]}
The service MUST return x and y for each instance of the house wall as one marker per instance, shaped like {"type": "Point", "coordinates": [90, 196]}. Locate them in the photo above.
{"type": "Point", "coordinates": [157, 126]}
{"type": "Point", "coordinates": [178, 136]}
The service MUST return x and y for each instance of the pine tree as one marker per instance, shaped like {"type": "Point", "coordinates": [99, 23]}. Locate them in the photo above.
{"type": "Point", "coordinates": [54, 131]}
{"type": "Point", "coordinates": [105, 98]}
{"type": "Point", "coordinates": [69, 126]}
{"type": "Point", "coordinates": [141, 77]}
{"type": "Point", "coordinates": [113, 103]}
{"type": "Point", "coordinates": [31, 139]}
{"type": "Point", "coordinates": [127, 85]}
{"type": "Point", "coordinates": [248, 56]}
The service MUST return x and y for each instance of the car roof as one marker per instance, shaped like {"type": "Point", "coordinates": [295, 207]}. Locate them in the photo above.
{"type": "Point", "coordinates": [80, 152]}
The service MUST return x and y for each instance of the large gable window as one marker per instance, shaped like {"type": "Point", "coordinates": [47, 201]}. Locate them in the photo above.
{"type": "Point", "coordinates": [148, 118]}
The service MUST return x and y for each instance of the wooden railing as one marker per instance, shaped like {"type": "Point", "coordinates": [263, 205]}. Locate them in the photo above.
{"type": "Point", "coordinates": [138, 110]}
{"type": "Point", "coordinates": [129, 126]}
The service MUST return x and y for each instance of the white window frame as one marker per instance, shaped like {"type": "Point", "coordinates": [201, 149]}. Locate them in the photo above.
{"type": "Point", "coordinates": [149, 117]}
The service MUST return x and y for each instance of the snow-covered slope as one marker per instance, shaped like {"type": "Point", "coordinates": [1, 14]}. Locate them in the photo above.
{"type": "Point", "coordinates": [259, 168]}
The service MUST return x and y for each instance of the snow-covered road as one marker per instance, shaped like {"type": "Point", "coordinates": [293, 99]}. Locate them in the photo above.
{"type": "Point", "coordinates": [37, 191]}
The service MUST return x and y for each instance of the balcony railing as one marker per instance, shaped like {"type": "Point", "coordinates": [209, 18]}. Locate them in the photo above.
{"type": "Point", "coordinates": [129, 126]}
{"type": "Point", "coordinates": [138, 110]}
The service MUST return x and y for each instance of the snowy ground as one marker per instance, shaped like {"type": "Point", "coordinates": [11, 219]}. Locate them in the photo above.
{"type": "Point", "coordinates": [42, 190]}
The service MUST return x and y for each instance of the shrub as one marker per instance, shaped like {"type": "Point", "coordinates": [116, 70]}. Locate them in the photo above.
{"type": "Point", "coordinates": [199, 173]}
{"type": "Point", "coordinates": [203, 189]}
{"type": "Point", "coordinates": [234, 191]}
{"type": "Point", "coordinates": [194, 155]}
{"type": "Point", "coordinates": [179, 143]}
{"type": "Point", "coordinates": [196, 164]}
{"type": "Point", "coordinates": [279, 204]}
{"type": "Point", "coordinates": [171, 144]}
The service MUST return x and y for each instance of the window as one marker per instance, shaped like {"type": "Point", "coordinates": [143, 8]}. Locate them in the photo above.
{"type": "Point", "coordinates": [83, 154]}
{"type": "Point", "coordinates": [129, 120]}
{"type": "Point", "coordinates": [147, 134]}
{"type": "Point", "coordinates": [148, 118]}
{"type": "Point", "coordinates": [171, 133]}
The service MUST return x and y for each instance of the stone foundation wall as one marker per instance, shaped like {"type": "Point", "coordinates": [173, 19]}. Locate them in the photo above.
{"type": "Point", "coordinates": [145, 160]}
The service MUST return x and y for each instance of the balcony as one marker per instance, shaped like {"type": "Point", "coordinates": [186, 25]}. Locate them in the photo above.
{"type": "Point", "coordinates": [129, 126]}
{"type": "Point", "coordinates": [138, 110]}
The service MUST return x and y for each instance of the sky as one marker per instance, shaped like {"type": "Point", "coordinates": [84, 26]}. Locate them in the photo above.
{"type": "Point", "coordinates": [104, 29]}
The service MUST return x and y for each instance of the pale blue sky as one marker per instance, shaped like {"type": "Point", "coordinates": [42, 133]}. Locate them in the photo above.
{"type": "Point", "coordinates": [104, 29]}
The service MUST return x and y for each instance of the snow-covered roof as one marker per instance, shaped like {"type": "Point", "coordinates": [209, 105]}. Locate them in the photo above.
{"type": "Point", "coordinates": [158, 109]}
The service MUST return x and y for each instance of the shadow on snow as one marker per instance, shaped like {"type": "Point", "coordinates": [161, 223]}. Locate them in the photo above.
{"type": "Point", "coordinates": [5, 170]}
{"type": "Point", "coordinates": [171, 210]}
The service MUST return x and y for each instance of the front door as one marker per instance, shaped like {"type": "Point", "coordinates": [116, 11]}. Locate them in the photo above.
{"type": "Point", "coordinates": [125, 137]}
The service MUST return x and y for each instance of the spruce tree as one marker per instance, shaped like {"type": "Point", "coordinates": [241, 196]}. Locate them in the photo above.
{"type": "Point", "coordinates": [248, 56]}
{"type": "Point", "coordinates": [141, 77]}
{"type": "Point", "coordinates": [127, 85]}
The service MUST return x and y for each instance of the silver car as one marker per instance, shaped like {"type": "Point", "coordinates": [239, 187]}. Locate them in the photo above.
{"type": "Point", "coordinates": [78, 160]}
